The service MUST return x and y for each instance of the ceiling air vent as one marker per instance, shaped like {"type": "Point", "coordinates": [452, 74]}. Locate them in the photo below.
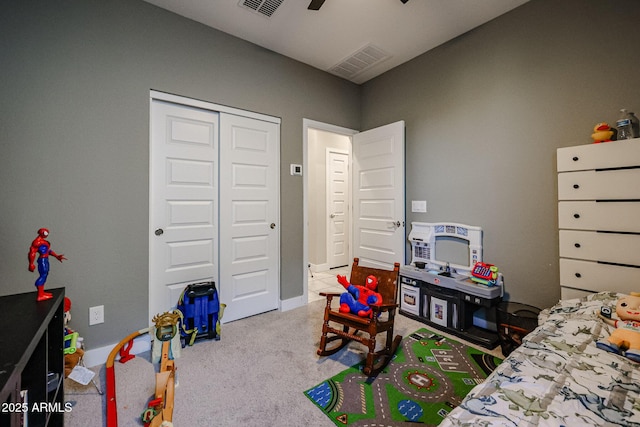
{"type": "Point", "coordinates": [263, 7]}
{"type": "Point", "coordinates": [358, 62]}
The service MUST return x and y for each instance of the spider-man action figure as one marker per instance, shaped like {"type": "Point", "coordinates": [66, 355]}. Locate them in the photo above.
{"type": "Point", "coordinates": [358, 299]}
{"type": "Point", "coordinates": [41, 246]}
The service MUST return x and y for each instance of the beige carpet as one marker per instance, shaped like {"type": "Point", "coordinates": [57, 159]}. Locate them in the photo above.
{"type": "Point", "coordinates": [254, 376]}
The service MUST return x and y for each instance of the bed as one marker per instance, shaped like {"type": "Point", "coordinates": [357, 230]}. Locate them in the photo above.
{"type": "Point", "coordinates": [558, 377]}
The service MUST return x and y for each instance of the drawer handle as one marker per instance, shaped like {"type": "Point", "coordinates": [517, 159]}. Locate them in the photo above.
{"type": "Point", "coordinates": [576, 186]}
{"type": "Point", "coordinates": [577, 245]}
{"type": "Point", "coordinates": [578, 275]}
{"type": "Point", "coordinates": [576, 216]}
{"type": "Point", "coordinates": [576, 158]}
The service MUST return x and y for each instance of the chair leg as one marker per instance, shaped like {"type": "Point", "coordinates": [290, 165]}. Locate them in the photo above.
{"type": "Point", "coordinates": [396, 343]}
{"type": "Point", "coordinates": [383, 357]}
{"type": "Point", "coordinates": [323, 343]}
{"type": "Point", "coordinates": [388, 343]}
{"type": "Point", "coordinates": [326, 339]}
{"type": "Point", "coordinates": [368, 368]}
{"type": "Point", "coordinates": [322, 349]}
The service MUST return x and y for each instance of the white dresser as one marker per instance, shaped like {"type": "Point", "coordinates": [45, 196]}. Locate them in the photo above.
{"type": "Point", "coordinates": [599, 218]}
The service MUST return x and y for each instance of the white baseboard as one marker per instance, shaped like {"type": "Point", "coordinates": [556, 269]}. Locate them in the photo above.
{"type": "Point", "coordinates": [319, 267]}
{"type": "Point", "coordinates": [291, 303]}
{"type": "Point", "coordinates": [98, 356]}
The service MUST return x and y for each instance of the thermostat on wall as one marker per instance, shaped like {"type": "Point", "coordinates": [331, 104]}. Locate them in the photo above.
{"type": "Point", "coordinates": [296, 169]}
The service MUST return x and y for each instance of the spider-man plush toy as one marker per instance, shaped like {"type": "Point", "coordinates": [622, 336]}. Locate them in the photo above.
{"type": "Point", "coordinates": [358, 299]}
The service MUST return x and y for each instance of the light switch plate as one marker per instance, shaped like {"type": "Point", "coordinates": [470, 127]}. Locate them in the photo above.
{"type": "Point", "coordinates": [419, 206]}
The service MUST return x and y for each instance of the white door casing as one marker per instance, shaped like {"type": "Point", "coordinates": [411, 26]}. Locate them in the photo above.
{"type": "Point", "coordinates": [183, 245]}
{"type": "Point", "coordinates": [338, 211]}
{"type": "Point", "coordinates": [249, 216]}
{"type": "Point", "coordinates": [378, 196]}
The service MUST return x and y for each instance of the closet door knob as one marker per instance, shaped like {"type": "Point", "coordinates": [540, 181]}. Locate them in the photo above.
{"type": "Point", "coordinates": [159, 232]}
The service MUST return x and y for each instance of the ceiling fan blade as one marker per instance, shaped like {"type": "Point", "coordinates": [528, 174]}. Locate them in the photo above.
{"type": "Point", "coordinates": [315, 4]}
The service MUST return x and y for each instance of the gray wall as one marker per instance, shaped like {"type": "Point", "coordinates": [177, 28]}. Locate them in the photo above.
{"type": "Point", "coordinates": [484, 116]}
{"type": "Point", "coordinates": [486, 112]}
{"type": "Point", "coordinates": [75, 81]}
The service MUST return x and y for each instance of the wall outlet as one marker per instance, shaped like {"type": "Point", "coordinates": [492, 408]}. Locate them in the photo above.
{"type": "Point", "coordinates": [96, 315]}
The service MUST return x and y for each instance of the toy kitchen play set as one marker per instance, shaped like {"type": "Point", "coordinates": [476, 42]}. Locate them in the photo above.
{"type": "Point", "coordinates": [457, 298]}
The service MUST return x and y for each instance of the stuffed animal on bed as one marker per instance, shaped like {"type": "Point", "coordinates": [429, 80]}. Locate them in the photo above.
{"type": "Point", "coordinates": [625, 339]}
{"type": "Point", "coordinates": [358, 299]}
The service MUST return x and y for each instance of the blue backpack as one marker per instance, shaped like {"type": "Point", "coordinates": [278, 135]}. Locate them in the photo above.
{"type": "Point", "coordinates": [200, 308]}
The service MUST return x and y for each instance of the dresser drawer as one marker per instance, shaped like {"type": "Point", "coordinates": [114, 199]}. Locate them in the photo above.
{"type": "Point", "coordinates": [612, 184]}
{"type": "Point", "coordinates": [602, 216]}
{"type": "Point", "coordinates": [596, 277]}
{"type": "Point", "coordinates": [599, 156]}
{"type": "Point", "coordinates": [607, 247]}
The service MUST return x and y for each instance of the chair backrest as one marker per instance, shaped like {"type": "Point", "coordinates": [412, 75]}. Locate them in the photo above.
{"type": "Point", "coordinates": [387, 279]}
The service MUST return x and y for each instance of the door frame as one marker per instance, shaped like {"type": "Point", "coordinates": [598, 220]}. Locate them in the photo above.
{"type": "Point", "coordinates": [205, 105]}
{"type": "Point", "coordinates": [306, 125]}
{"type": "Point", "coordinates": [329, 251]}
{"type": "Point", "coordinates": [190, 102]}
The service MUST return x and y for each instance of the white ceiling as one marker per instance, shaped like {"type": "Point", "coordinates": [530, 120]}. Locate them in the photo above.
{"type": "Point", "coordinates": [329, 36]}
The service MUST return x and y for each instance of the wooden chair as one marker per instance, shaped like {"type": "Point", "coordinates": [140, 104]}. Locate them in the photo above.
{"type": "Point", "coordinates": [345, 327]}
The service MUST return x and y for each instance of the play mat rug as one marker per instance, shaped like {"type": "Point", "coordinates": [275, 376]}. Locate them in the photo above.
{"type": "Point", "coordinates": [428, 377]}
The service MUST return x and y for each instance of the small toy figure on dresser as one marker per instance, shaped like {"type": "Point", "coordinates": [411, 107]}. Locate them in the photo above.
{"type": "Point", "coordinates": [602, 132]}
{"type": "Point", "coordinates": [42, 247]}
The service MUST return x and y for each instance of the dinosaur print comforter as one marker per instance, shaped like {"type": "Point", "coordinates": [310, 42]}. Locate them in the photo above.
{"type": "Point", "coordinates": [558, 377]}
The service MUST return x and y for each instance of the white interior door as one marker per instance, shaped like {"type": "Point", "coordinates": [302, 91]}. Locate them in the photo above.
{"type": "Point", "coordinates": [183, 246]}
{"type": "Point", "coordinates": [378, 196]}
{"type": "Point", "coordinates": [249, 216]}
{"type": "Point", "coordinates": [338, 213]}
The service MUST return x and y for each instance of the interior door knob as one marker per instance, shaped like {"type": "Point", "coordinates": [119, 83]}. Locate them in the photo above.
{"type": "Point", "coordinates": [273, 225]}
{"type": "Point", "coordinates": [332, 216]}
{"type": "Point", "coordinates": [396, 224]}
{"type": "Point", "coordinates": [159, 232]}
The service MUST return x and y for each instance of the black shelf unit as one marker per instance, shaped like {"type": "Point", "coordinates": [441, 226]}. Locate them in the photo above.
{"type": "Point", "coordinates": [32, 359]}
